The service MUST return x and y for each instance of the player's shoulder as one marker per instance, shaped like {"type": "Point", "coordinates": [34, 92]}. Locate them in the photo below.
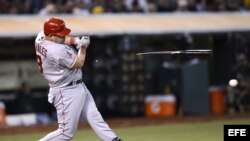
{"type": "Point", "coordinates": [39, 37]}
{"type": "Point", "coordinates": [56, 48]}
{"type": "Point", "coordinates": [60, 47]}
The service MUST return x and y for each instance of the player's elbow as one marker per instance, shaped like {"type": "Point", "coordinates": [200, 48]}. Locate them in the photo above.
{"type": "Point", "coordinates": [78, 64]}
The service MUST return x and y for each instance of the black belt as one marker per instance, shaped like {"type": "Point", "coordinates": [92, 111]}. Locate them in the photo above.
{"type": "Point", "coordinates": [74, 82]}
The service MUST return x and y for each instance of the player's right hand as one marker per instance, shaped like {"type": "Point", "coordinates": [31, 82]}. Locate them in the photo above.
{"type": "Point", "coordinates": [82, 42]}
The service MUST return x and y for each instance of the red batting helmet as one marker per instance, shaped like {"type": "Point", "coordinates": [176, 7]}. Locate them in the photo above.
{"type": "Point", "coordinates": [55, 26]}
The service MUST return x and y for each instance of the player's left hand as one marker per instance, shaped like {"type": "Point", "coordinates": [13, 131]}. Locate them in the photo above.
{"type": "Point", "coordinates": [82, 42]}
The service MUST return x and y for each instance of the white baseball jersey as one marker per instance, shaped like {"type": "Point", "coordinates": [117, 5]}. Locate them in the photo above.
{"type": "Point", "coordinates": [55, 62]}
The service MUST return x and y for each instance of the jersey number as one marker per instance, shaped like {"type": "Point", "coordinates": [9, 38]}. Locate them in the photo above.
{"type": "Point", "coordinates": [39, 62]}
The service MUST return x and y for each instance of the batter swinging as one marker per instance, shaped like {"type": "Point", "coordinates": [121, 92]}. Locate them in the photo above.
{"type": "Point", "coordinates": [61, 65]}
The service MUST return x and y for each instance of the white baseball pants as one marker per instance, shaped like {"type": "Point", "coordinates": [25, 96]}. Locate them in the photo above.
{"type": "Point", "coordinates": [71, 103]}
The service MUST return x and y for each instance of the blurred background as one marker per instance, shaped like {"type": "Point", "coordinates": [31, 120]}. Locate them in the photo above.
{"type": "Point", "coordinates": [122, 83]}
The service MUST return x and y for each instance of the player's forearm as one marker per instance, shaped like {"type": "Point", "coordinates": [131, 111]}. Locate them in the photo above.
{"type": "Point", "coordinates": [80, 59]}
{"type": "Point", "coordinates": [69, 40]}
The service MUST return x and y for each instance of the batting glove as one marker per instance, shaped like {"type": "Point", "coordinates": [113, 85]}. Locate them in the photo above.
{"type": "Point", "coordinates": [82, 42]}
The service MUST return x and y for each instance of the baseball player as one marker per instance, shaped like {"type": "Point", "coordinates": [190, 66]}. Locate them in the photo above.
{"type": "Point", "coordinates": [61, 66]}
